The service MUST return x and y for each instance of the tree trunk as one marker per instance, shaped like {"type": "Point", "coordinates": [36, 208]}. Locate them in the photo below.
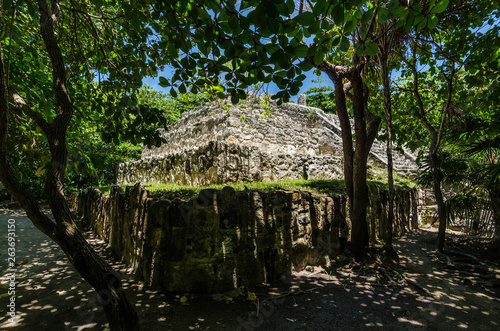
{"type": "Point", "coordinates": [436, 136]}
{"type": "Point", "coordinates": [355, 160]}
{"type": "Point", "coordinates": [63, 231]}
{"type": "Point", "coordinates": [494, 193]}
{"type": "Point", "coordinates": [384, 74]}
{"type": "Point", "coordinates": [436, 185]}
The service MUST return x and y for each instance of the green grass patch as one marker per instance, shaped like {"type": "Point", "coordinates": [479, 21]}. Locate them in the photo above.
{"type": "Point", "coordinates": [317, 187]}
{"type": "Point", "coordinates": [320, 187]}
{"type": "Point", "coordinates": [378, 176]}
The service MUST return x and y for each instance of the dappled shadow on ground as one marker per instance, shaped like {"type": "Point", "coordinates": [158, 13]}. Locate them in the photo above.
{"type": "Point", "coordinates": [50, 294]}
{"type": "Point", "coordinates": [423, 293]}
{"type": "Point", "coordinates": [450, 298]}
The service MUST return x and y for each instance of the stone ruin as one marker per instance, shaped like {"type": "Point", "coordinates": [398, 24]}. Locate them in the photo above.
{"type": "Point", "coordinates": [255, 140]}
{"type": "Point", "coordinates": [222, 239]}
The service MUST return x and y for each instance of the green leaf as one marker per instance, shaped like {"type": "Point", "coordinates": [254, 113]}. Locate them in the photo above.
{"type": "Point", "coordinates": [440, 6]}
{"type": "Point", "coordinates": [305, 65]}
{"type": "Point", "coordinates": [319, 8]}
{"type": "Point", "coordinates": [233, 22]}
{"type": "Point", "coordinates": [367, 15]}
{"type": "Point", "coordinates": [360, 51]}
{"type": "Point", "coordinates": [382, 14]}
{"type": "Point", "coordinates": [362, 32]}
{"type": "Point", "coordinates": [409, 22]}
{"type": "Point", "coordinates": [306, 18]}
{"type": "Point", "coordinates": [164, 82]}
{"type": "Point", "coordinates": [345, 44]}
{"type": "Point", "coordinates": [300, 51]}
{"type": "Point", "coordinates": [371, 49]}
{"type": "Point", "coordinates": [349, 27]}
{"type": "Point", "coordinates": [318, 58]}
{"type": "Point", "coordinates": [432, 22]}
{"type": "Point", "coordinates": [291, 6]}
{"type": "Point", "coordinates": [338, 14]}
{"type": "Point", "coordinates": [173, 93]}
{"type": "Point", "coordinates": [314, 28]}
{"type": "Point", "coordinates": [235, 98]}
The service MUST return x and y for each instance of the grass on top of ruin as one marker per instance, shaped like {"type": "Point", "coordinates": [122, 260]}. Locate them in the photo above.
{"type": "Point", "coordinates": [316, 186]}
{"type": "Point", "coordinates": [321, 187]}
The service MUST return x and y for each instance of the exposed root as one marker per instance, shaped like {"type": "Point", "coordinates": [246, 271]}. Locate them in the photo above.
{"type": "Point", "coordinates": [448, 259]}
{"type": "Point", "coordinates": [468, 256]}
{"type": "Point", "coordinates": [414, 283]}
{"type": "Point", "coordinates": [291, 293]}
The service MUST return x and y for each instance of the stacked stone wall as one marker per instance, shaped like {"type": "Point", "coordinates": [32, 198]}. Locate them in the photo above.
{"type": "Point", "coordinates": [218, 162]}
{"type": "Point", "coordinates": [251, 141]}
{"type": "Point", "coordinates": [223, 239]}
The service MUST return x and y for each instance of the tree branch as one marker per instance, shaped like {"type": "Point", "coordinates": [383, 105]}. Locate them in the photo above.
{"type": "Point", "coordinates": [64, 105]}
{"type": "Point", "coordinates": [21, 104]}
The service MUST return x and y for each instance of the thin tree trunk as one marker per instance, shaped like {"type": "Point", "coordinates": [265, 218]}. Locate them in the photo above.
{"type": "Point", "coordinates": [438, 195]}
{"type": "Point", "coordinates": [384, 74]}
{"type": "Point", "coordinates": [436, 136]}
{"type": "Point", "coordinates": [494, 194]}
{"type": "Point", "coordinates": [95, 270]}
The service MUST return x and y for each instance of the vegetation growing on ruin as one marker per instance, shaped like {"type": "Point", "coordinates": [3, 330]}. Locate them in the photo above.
{"type": "Point", "coordinates": [316, 187]}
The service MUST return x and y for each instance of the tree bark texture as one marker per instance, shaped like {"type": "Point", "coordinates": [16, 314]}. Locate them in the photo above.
{"type": "Point", "coordinates": [64, 231]}
{"type": "Point", "coordinates": [384, 75]}
{"type": "Point", "coordinates": [355, 159]}
{"type": "Point", "coordinates": [494, 194]}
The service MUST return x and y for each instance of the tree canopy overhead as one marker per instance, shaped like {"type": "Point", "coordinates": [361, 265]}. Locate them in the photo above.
{"type": "Point", "coordinates": [67, 63]}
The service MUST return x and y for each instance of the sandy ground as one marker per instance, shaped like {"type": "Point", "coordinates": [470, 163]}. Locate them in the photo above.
{"type": "Point", "coordinates": [50, 294]}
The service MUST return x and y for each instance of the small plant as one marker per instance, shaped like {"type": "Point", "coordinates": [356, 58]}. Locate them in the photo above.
{"type": "Point", "coordinates": [242, 118]}
{"type": "Point", "coordinates": [405, 311]}
{"type": "Point", "coordinates": [400, 274]}
{"type": "Point", "coordinates": [382, 242]}
{"type": "Point", "coordinates": [226, 107]}
{"type": "Point", "coordinates": [311, 114]}
{"type": "Point", "coordinates": [268, 111]}
{"type": "Point", "coordinates": [346, 281]}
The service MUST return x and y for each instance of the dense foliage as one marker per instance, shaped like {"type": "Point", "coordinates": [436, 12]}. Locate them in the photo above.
{"type": "Point", "coordinates": [71, 72]}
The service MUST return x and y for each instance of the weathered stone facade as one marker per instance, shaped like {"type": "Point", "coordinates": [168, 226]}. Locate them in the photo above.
{"type": "Point", "coordinates": [222, 239]}
{"type": "Point", "coordinates": [250, 141]}
{"type": "Point", "coordinates": [219, 162]}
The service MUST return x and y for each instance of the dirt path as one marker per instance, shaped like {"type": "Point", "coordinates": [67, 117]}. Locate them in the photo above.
{"type": "Point", "coordinates": [52, 296]}
{"type": "Point", "coordinates": [456, 302]}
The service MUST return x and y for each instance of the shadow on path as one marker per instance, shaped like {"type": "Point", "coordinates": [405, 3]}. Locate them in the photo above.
{"type": "Point", "coordinates": [51, 295]}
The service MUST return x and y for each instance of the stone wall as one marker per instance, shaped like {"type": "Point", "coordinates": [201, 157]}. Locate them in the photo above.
{"type": "Point", "coordinates": [222, 239]}
{"type": "Point", "coordinates": [218, 162]}
{"type": "Point", "coordinates": [250, 141]}
{"type": "Point", "coordinates": [285, 129]}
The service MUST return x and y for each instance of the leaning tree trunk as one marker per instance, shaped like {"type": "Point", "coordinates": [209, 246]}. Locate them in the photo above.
{"type": "Point", "coordinates": [63, 231]}
{"type": "Point", "coordinates": [436, 135]}
{"type": "Point", "coordinates": [494, 194]}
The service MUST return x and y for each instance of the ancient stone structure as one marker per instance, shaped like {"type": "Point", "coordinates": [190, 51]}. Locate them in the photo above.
{"type": "Point", "coordinates": [223, 239]}
{"type": "Point", "coordinates": [256, 140]}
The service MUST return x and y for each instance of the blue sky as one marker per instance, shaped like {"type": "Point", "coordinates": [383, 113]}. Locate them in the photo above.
{"type": "Point", "coordinates": [154, 83]}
